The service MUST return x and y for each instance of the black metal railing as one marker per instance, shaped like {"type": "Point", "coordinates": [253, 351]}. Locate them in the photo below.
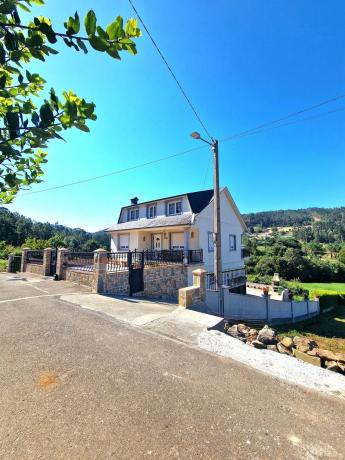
{"type": "Point", "coordinates": [195, 256]}
{"type": "Point", "coordinates": [230, 279]}
{"type": "Point", "coordinates": [164, 257]}
{"type": "Point", "coordinates": [35, 257]}
{"type": "Point", "coordinates": [83, 261]}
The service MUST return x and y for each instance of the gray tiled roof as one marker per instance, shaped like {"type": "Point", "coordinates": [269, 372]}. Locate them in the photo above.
{"type": "Point", "coordinates": [164, 221]}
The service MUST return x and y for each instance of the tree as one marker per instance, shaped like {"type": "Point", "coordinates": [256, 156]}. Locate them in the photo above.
{"type": "Point", "coordinates": [27, 128]}
{"type": "Point", "coordinates": [341, 256]}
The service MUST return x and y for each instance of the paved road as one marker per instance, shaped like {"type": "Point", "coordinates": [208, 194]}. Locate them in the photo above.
{"type": "Point", "coordinates": [77, 384]}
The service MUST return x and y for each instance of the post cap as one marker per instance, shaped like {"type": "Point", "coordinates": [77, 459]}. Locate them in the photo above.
{"type": "Point", "coordinates": [199, 271]}
{"type": "Point", "coordinates": [100, 250]}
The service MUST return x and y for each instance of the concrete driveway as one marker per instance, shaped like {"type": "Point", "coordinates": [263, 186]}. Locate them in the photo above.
{"type": "Point", "coordinates": [81, 384]}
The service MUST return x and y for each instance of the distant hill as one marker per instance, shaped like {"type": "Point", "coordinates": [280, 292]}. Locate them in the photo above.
{"type": "Point", "coordinates": [325, 225]}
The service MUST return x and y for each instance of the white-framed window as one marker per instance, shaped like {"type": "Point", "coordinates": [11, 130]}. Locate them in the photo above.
{"type": "Point", "coordinates": [210, 242]}
{"type": "Point", "coordinates": [133, 214]}
{"type": "Point", "coordinates": [177, 241]}
{"type": "Point", "coordinates": [232, 242]}
{"type": "Point", "coordinates": [151, 213]}
{"type": "Point", "coordinates": [124, 242]}
{"type": "Point", "coordinates": [174, 208]}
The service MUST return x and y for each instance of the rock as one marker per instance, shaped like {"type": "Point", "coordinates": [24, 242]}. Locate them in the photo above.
{"type": "Point", "coordinates": [283, 350]}
{"type": "Point", "coordinates": [258, 344]}
{"type": "Point", "coordinates": [252, 335]}
{"type": "Point", "coordinates": [315, 360]}
{"type": "Point", "coordinates": [326, 355]}
{"type": "Point", "coordinates": [340, 357]}
{"type": "Point", "coordinates": [272, 348]}
{"type": "Point", "coordinates": [287, 342]}
{"type": "Point", "coordinates": [267, 335]}
{"type": "Point", "coordinates": [333, 366]}
{"type": "Point", "coordinates": [243, 328]}
{"type": "Point", "coordinates": [233, 331]}
{"type": "Point", "coordinates": [304, 344]}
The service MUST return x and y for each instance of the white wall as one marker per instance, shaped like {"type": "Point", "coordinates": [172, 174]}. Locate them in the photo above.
{"type": "Point", "coordinates": [230, 224]}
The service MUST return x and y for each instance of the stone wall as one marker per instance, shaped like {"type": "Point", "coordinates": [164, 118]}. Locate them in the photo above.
{"type": "Point", "coordinates": [116, 283]}
{"type": "Point", "coordinates": [82, 278]}
{"type": "Point", "coordinates": [165, 281]}
{"type": "Point", "coordinates": [34, 268]}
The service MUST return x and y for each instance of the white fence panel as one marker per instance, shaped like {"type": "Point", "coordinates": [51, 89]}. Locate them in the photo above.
{"type": "Point", "coordinates": [244, 306]}
{"type": "Point", "coordinates": [212, 301]}
{"type": "Point", "coordinates": [314, 306]}
{"type": "Point", "coordinates": [299, 309]}
{"type": "Point", "coordinates": [279, 309]}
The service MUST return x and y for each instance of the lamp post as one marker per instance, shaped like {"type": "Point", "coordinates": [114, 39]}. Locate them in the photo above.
{"type": "Point", "coordinates": [217, 254]}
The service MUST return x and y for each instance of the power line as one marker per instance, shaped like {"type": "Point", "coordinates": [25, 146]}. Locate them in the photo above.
{"type": "Point", "coordinates": [171, 71]}
{"type": "Point", "coordinates": [246, 133]}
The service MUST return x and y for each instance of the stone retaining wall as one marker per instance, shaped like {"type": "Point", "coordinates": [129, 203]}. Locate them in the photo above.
{"type": "Point", "coordinates": [82, 278]}
{"type": "Point", "coordinates": [116, 283]}
{"type": "Point", "coordinates": [164, 282]}
{"type": "Point", "coordinates": [37, 269]}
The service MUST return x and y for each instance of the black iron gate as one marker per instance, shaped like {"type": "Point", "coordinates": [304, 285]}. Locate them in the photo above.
{"type": "Point", "coordinates": [15, 264]}
{"type": "Point", "coordinates": [136, 272]}
{"type": "Point", "coordinates": [53, 259]}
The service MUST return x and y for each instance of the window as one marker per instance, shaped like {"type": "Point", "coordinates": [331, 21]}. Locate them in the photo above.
{"type": "Point", "coordinates": [123, 242]}
{"type": "Point", "coordinates": [175, 208]}
{"type": "Point", "coordinates": [151, 211]}
{"type": "Point", "coordinates": [133, 214]}
{"type": "Point", "coordinates": [232, 242]}
{"type": "Point", "coordinates": [177, 241]}
{"type": "Point", "coordinates": [210, 242]}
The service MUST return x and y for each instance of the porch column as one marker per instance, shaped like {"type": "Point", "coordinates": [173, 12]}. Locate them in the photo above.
{"type": "Point", "coordinates": [186, 246]}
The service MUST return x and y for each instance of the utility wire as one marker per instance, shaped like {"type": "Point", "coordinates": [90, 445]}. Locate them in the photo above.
{"type": "Point", "coordinates": [246, 133]}
{"type": "Point", "coordinates": [171, 71]}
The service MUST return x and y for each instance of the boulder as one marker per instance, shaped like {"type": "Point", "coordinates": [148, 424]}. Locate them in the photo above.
{"type": "Point", "coordinates": [287, 342]}
{"type": "Point", "coordinates": [341, 357]}
{"type": "Point", "coordinates": [333, 366]}
{"type": "Point", "coordinates": [234, 332]}
{"type": "Point", "coordinates": [243, 329]}
{"type": "Point", "coordinates": [283, 350]}
{"type": "Point", "coordinates": [272, 348]}
{"type": "Point", "coordinates": [267, 335]}
{"type": "Point", "coordinates": [252, 335]}
{"type": "Point", "coordinates": [258, 344]}
{"type": "Point", "coordinates": [303, 344]}
{"type": "Point", "coordinates": [325, 355]}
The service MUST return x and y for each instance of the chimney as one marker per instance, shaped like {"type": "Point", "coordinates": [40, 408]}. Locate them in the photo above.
{"type": "Point", "coordinates": [134, 200]}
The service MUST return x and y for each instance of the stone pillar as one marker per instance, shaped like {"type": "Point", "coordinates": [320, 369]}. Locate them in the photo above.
{"type": "Point", "coordinates": [9, 263]}
{"type": "Point", "coordinates": [47, 254]}
{"type": "Point", "coordinates": [99, 270]}
{"type": "Point", "coordinates": [24, 259]}
{"type": "Point", "coordinates": [199, 280]}
{"type": "Point", "coordinates": [60, 262]}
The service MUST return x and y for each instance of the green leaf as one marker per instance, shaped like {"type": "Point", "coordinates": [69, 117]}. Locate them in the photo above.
{"type": "Point", "coordinates": [98, 43]}
{"type": "Point", "coordinates": [2, 54]}
{"type": "Point", "coordinates": [115, 29]}
{"type": "Point", "coordinates": [81, 45]}
{"type": "Point", "coordinates": [112, 51]}
{"type": "Point", "coordinates": [2, 81]}
{"type": "Point", "coordinates": [7, 7]}
{"type": "Point", "coordinates": [90, 22]}
{"type": "Point", "coordinates": [82, 127]}
{"type": "Point", "coordinates": [46, 114]}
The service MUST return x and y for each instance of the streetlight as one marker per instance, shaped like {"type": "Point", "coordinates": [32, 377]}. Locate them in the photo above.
{"type": "Point", "coordinates": [217, 255]}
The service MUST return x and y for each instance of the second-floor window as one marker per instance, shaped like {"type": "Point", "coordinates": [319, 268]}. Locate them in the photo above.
{"type": "Point", "coordinates": [232, 242]}
{"type": "Point", "coordinates": [175, 208]}
{"type": "Point", "coordinates": [133, 214]}
{"type": "Point", "coordinates": [151, 211]}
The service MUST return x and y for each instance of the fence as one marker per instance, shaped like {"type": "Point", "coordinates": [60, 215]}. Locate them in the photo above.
{"type": "Point", "coordinates": [83, 261]}
{"type": "Point", "coordinates": [239, 307]}
{"type": "Point", "coordinates": [35, 257]}
{"type": "Point", "coordinates": [230, 278]}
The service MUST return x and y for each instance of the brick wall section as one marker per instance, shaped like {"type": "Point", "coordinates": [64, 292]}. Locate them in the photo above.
{"type": "Point", "coordinates": [82, 278]}
{"type": "Point", "coordinates": [34, 268]}
{"type": "Point", "coordinates": [164, 282]}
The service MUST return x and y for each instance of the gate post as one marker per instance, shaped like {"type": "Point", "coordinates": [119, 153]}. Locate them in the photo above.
{"type": "Point", "coordinates": [60, 262]}
{"type": "Point", "coordinates": [47, 254]}
{"type": "Point", "coordinates": [24, 259]}
{"type": "Point", "coordinates": [10, 263]}
{"type": "Point", "coordinates": [99, 270]}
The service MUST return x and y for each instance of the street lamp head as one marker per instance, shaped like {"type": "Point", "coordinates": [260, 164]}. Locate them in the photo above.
{"type": "Point", "coordinates": [195, 135]}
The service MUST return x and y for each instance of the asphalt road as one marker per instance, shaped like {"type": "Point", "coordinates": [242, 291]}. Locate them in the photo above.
{"type": "Point", "coordinates": [77, 384]}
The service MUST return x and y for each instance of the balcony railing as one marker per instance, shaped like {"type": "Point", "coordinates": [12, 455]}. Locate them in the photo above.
{"type": "Point", "coordinates": [231, 279]}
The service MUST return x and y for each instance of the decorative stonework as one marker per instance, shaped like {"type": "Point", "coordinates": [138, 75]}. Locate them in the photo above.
{"type": "Point", "coordinates": [196, 294]}
{"type": "Point", "coordinates": [165, 282]}
{"type": "Point", "coordinates": [34, 268]}
{"type": "Point", "coordinates": [80, 277]}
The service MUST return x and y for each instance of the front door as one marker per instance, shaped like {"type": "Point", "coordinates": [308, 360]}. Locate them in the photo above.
{"type": "Point", "coordinates": [157, 242]}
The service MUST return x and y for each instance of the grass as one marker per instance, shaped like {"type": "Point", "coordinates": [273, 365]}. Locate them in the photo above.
{"type": "Point", "coordinates": [337, 288]}
{"type": "Point", "coordinates": [3, 265]}
{"type": "Point", "coordinates": [328, 330]}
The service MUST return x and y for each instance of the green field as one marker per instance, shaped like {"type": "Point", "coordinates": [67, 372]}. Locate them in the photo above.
{"type": "Point", "coordinates": [337, 288]}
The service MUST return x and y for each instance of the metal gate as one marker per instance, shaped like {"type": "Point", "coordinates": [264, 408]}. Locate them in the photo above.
{"type": "Point", "coordinates": [15, 264]}
{"type": "Point", "coordinates": [53, 258]}
{"type": "Point", "coordinates": [136, 272]}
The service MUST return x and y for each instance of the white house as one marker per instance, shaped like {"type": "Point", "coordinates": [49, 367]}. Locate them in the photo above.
{"type": "Point", "coordinates": [182, 223]}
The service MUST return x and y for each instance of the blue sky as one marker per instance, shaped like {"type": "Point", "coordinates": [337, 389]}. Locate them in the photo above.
{"type": "Point", "coordinates": [242, 64]}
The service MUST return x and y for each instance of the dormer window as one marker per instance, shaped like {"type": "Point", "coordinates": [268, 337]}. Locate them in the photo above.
{"type": "Point", "coordinates": [151, 212]}
{"type": "Point", "coordinates": [175, 208]}
{"type": "Point", "coordinates": [133, 214]}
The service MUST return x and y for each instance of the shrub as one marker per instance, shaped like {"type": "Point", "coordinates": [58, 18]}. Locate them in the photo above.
{"type": "Point", "coordinates": [3, 265]}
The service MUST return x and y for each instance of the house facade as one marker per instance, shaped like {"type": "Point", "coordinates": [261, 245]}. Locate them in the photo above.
{"type": "Point", "coordinates": [182, 223]}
